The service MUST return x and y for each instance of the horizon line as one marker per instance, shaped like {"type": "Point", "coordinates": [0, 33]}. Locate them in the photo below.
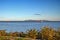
{"type": "Point", "coordinates": [29, 20]}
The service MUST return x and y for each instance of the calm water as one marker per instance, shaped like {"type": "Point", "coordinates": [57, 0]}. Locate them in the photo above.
{"type": "Point", "coordinates": [23, 26]}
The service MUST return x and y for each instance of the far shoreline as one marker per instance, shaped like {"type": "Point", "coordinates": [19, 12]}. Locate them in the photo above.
{"type": "Point", "coordinates": [32, 21]}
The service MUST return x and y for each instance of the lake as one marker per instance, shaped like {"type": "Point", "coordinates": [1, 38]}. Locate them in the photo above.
{"type": "Point", "coordinates": [24, 26]}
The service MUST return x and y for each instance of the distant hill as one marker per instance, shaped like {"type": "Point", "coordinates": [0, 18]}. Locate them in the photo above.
{"type": "Point", "coordinates": [31, 21]}
{"type": "Point", "coordinates": [35, 20]}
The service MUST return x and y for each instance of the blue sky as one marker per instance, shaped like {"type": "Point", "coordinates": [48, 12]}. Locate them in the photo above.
{"type": "Point", "coordinates": [14, 10]}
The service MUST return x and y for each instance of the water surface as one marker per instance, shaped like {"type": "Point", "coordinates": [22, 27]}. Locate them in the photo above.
{"type": "Point", "coordinates": [24, 26]}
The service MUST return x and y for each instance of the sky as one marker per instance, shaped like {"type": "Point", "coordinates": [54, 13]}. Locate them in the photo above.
{"type": "Point", "coordinates": [16, 10]}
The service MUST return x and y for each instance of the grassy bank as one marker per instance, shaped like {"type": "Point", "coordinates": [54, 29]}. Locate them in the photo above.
{"type": "Point", "coordinates": [46, 33]}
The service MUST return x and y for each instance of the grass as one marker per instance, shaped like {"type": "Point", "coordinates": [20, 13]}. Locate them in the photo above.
{"type": "Point", "coordinates": [12, 38]}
